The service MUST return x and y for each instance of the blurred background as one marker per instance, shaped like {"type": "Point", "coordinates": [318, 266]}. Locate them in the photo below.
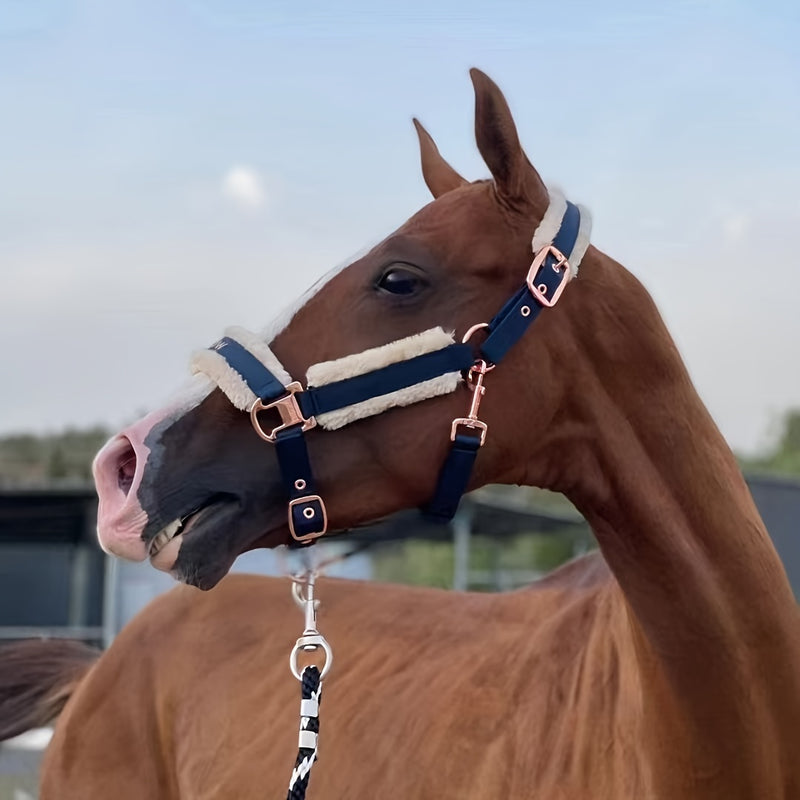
{"type": "Point", "coordinates": [169, 168]}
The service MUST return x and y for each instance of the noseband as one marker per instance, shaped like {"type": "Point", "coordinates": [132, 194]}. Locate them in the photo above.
{"type": "Point", "coordinates": [401, 373]}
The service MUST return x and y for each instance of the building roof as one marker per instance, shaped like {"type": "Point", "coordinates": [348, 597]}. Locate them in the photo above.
{"type": "Point", "coordinates": [64, 514]}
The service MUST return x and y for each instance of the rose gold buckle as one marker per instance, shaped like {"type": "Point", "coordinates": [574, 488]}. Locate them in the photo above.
{"type": "Point", "coordinates": [540, 291]}
{"type": "Point", "coordinates": [477, 372]}
{"type": "Point", "coordinates": [473, 424]}
{"type": "Point", "coordinates": [308, 537]}
{"type": "Point", "coordinates": [288, 409]}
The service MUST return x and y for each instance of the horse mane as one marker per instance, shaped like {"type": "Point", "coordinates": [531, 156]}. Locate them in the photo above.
{"type": "Point", "coordinates": [37, 677]}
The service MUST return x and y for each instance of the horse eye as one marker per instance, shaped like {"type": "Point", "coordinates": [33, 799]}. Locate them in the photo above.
{"type": "Point", "coordinates": [400, 281]}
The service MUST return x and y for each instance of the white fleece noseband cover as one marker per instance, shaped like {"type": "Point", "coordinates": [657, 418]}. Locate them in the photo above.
{"type": "Point", "coordinates": [376, 357]}
{"type": "Point", "coordinates": [213, 365]}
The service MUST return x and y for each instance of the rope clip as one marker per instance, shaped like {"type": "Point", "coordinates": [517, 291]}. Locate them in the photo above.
{"type": "Point", "coordinates": [311, 640]}
{"type": "Point", "coordinates": [475, 377]}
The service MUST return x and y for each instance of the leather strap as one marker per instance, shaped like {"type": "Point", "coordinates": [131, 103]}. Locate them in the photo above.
{"type": "Point", "coordinates": [453, 479]}
{"type": "Point", "coordinates": [507, 327]}
{"type": "Point", "coordinates": [307, 515]}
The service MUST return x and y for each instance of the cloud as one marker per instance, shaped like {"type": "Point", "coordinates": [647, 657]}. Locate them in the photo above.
{"type": "Point", "coordinates": [243, 186]}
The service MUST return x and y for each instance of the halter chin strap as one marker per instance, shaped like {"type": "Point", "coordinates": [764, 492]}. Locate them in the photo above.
{"type": "Point", "coordinates": [403, 372]}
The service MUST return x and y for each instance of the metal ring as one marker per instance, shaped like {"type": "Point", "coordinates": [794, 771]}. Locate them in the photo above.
{"type": "Point", "coordinates": [308, 513]}
{"type": "Point", "coordinates": [300, 484]}
{"type": "Point", "coordinates": [468, 335]}
{"type": "Point", "coordinates": [319, 642]}
{"type": "Point", "coordinates": [525, 311]}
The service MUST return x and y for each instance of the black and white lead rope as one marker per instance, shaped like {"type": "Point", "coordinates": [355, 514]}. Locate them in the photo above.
{"type": "Point", "coordinates": [310, 678]}
{"type": "Point", "coordinates": [311, 641]}
{"type": "Point", "coordinates": [311, 692]}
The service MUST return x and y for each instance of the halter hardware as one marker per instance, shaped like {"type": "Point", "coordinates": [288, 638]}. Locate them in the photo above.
{"type": "Point", "coordinates": [306, 504]}
{"type": "Point", "coordinates": [311, 640]}
{"type": "Point", "coordinates": [471, 421]}
{"type": "Point", "coordinates": [561, 265]}
{"type": "Point", "coordinates": [289, 410]}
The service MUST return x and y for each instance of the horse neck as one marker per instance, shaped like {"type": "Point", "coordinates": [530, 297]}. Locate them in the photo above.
{"type": "Point", "coordinates": [635, 449]}
{"type": "Point", "coordinates": [647, 465]}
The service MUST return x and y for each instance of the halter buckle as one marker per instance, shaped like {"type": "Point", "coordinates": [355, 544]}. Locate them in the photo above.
{"type": "Point", "coordinates": [561, 266]}
{"type": "Point", "coordinates": [472, 424]}
{"type": "Point", "coordinates": [289, 410]}
{"type": "Point", "coordinates": [305, 538]}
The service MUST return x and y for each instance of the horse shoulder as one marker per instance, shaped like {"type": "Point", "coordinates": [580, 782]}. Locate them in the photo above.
{"type": "Point", "coordinates": [124, 729]}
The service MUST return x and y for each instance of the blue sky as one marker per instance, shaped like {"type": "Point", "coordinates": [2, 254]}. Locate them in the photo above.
{"type": "Point", "coordinates": [159, 160]}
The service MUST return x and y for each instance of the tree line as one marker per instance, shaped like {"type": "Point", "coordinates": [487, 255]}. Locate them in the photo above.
{"type": "Point", "coordinates": [36, 459]}
{"type": "Point", "coordinates": [29, 458]}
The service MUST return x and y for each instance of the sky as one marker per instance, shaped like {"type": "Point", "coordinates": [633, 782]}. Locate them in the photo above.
{"type": "Point", "coordinates": [171, 167]}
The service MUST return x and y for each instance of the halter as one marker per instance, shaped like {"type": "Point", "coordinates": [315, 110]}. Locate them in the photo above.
{"type": "Point", "coordinates": [401, 373]}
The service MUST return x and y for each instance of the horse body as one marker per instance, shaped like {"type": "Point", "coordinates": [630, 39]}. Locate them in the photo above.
{"type": "Point", "coordinates": [434, 694]}
{"type": "Point", "coordinates": [672, 673]}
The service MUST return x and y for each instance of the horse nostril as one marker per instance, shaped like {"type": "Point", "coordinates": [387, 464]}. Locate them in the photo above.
{"type": "Point", "coordinates": [126, 468]}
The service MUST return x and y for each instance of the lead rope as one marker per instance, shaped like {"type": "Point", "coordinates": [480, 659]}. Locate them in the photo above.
{"type": "Point", "coordinates": [311, 684]}
{"type": "Point", "coordinates": [309, 733]}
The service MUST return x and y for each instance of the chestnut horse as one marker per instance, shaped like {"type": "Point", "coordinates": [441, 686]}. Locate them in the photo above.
{"type": "Point", "coordinates": [667, 666]}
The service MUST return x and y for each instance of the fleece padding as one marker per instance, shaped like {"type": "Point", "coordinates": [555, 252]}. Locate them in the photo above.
{"type": "Point", "coordinates": [360, 363]}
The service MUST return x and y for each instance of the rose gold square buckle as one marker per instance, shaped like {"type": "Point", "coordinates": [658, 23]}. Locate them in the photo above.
{"type": "Point", "coordinates": [288, 409]}
{"type": "Point", "coordinates": [308, 537]}
{"type": "Point", "coordinates": [561, 266]}
{"type": "Point", "coordinates": [472, 424]}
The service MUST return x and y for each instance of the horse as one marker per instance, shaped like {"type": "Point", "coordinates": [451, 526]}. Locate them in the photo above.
{"type": "Point", "coordinates": [666, 665]}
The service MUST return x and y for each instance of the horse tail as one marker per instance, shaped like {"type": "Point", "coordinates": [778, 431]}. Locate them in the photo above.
{"type": "Point", "coordinates": [37, 677]}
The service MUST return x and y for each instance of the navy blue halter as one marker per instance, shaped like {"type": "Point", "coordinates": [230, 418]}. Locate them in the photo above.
{"type": "Point", "coordinates": [506, 328]}
{"type": "Point", "coordinates": [298, 407]}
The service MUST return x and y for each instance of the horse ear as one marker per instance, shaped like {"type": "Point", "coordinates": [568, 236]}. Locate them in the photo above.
{"type": "Point", "coordinates": [496, 134]}
{"type": "Point", "coordinates": [439, 176]}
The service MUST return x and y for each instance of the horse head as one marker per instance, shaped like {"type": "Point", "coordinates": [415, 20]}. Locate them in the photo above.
{"type": "Point", "coordinates": [193, 486]}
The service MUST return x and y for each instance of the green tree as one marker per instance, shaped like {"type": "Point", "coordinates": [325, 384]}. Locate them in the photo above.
{"type": "Point", "coordinates": [784, 455]}
{"type": "Point", "coordinates": [58, 467]}
{"type": "Point", "coordinates": [35, 459]}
